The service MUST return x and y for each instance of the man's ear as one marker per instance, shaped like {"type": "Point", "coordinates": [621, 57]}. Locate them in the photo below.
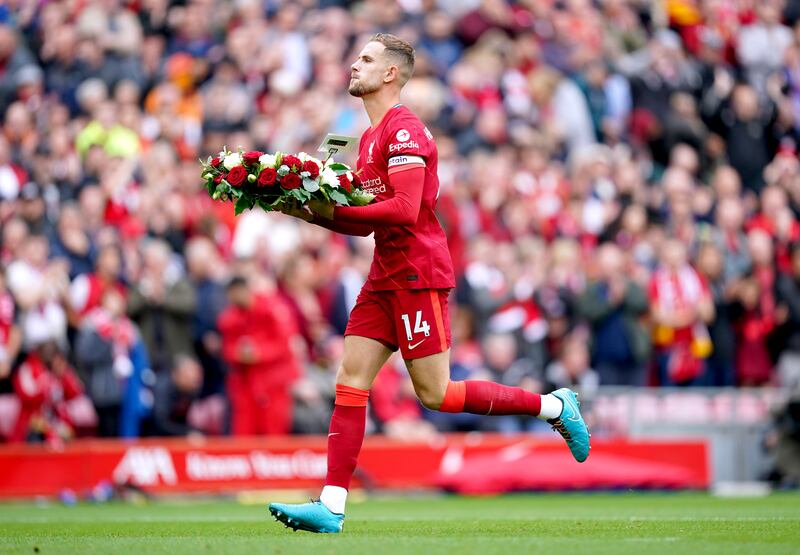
{"type": "Point", "coordinates": [391, 74]}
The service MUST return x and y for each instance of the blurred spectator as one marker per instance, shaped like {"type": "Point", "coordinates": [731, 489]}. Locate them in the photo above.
{"type": "Point", "coordinates": [39, 287]}
{"type": "Point", "coordinates": [206, 272]}
{"type": "Point", "coordinates": [162, 302]}
{"type": "Point", "coordinates": [257, 331]}
{"type": "Point", "coordinates": [614, 305]}
{"type": "Point", "coordinates": [682, 306]}
{"type": "Point", "coordinates": [745, 125]}
{"type": "Point", "coordinates": [44, 383]}
{"type": "Point", "coordinates": [12, 176]}
{"type": "Point", "coordinates": [175, 392]}
{"type": "Point", "coordinates": [88, 289]}
{"type": "Point", "coordinates": [72, 243]}
{"type": "Point", "coordinates": [14, 57]}
{"type": "Point", "coordinates": [756, 317]}
{"type": "Point", "coordinates": [572, 369]}
{"type": "Point", "coordinates": [721, 365]}
{"type": "Point", "coordinates": [730, 238]}
{"type": "Point", "coordinates": [314, 393]}
{"type": "Point", "coordinates": [109, 354]}
{"type": "Point", "coordinates": [789, 299]}
{"type": "Point", "coordinates": [762, 44]}
{"type": "Point", "coordinates": [10, 333]}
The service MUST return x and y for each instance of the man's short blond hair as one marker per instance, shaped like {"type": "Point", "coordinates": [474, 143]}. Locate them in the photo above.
{"type": "Point", "coordinates": [399, 51]}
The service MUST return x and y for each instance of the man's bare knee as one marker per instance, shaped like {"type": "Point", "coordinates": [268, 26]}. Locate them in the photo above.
{"type": "Point", "coordinates": [431, 398]}
{"type": "Point", "coordinates": [354, 376]}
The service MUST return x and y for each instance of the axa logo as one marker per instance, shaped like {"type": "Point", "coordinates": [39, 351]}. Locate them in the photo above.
{"type": "Point", "coordinates": [145, 466]}
{"type": "Point", "coordinates": [400, 146]}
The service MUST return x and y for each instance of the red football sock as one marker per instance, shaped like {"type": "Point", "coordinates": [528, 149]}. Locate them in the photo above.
{"type": "Point", "coordinates": [346, 434]}
{"type": "Point", "coordinates": [479, 397]}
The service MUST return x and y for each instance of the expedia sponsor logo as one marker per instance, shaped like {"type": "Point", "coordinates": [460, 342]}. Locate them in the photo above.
{"type": "Point", "coordinates": [396, 147]}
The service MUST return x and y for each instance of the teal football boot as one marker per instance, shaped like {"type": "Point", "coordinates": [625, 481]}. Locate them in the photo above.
{"type": "Point", "coordinates": [571, 425]}
{"type": "Point", "coordinates": [311, 517]}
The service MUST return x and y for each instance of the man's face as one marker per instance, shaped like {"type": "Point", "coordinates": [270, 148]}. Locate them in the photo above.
{"type": "Point", "coordinates": [239, 295]}
{"type": "Point", "coordinates": [368, 71]}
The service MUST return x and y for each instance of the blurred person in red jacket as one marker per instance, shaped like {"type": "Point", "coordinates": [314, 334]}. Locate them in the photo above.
{"type": "Point", "coordinates": [681, 306]}
{"type": "Point", "coordinates": [44, 383]}
{"type": "Point", "coordinates": [257, 332]}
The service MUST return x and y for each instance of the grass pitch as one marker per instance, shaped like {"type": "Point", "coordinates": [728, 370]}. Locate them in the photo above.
{"type": "Point", "coordinates": [570, 524]}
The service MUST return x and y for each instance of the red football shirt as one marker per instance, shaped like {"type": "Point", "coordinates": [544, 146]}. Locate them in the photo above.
{"type": "Point", "coordinates": [413, 256]}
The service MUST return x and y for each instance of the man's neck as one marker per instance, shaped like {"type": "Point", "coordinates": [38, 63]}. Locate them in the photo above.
{"type": "Point", "coordinates": [378, 104]}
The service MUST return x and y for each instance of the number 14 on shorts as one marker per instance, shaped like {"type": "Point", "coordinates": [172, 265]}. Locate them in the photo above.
{"type": "Point", "coordinates": [420, 325]}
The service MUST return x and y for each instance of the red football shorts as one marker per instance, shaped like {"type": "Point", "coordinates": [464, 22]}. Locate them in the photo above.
{"type": "Point", "coordinates": [414, 320]}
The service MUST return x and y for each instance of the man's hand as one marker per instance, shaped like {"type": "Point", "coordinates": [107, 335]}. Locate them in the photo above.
{"type": "Point", "coordinates": [246, 351]}
{"type": "Point", "coordinates": [296, 211]}
{"type": "Point", "coordinates": [322, 209]}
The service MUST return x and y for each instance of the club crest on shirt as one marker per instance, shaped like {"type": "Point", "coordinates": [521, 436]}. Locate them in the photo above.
{"type": "Point", "coordinates": [369, 152]}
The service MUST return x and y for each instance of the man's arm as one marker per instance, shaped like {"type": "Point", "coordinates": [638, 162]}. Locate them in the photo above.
{"type": "Point", "coordinates": [401, 209]}
{"type": "Point", "coordinates": [361, 230]}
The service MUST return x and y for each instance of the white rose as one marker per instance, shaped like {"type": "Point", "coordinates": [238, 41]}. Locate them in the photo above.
{"type": "Point", "coordinates": [303, 156]}
{"type": "Point", "coordinates": [349, 176]}
{"type": "Point", "coordinates": [232, 160]}
{"type": "Point", "coordinates": [329, 177]}
{"type": "Point", "coordinates": [267, 160]}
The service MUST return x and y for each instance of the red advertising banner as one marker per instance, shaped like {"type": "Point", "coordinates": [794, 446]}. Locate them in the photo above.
{"type": "Point", "coordinates": [470, 463]}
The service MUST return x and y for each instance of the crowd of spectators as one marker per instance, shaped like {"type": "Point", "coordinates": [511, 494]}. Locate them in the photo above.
{"type": "Point", "coordinates": [620, 188]}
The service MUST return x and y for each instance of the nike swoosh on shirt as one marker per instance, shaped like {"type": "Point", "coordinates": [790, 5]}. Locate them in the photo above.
{"type": "Point", "coordinates": [415, 345]}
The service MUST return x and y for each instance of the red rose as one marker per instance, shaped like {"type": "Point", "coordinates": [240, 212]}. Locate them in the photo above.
{"type": "Point", "coordinates": [345, 183]}
{"type": "Point", "coordinates": [291, 181]}
{"type": "Point", "coordinates": [219, 178]}
{"type": "Point", "coordinates": [356, 181]}
{"type": "Point", "coordinates": [216, 161]}
{"type": "Point", "coordinates": [292, 161]}
{"type": "Point", "coordinates": [267, 177]}
{"type": "Point", "coordinates": [237, 175]}
{"type": "Point", "coordinates": [250, 158]}
{"type": "Point", "coordinates": [311, 167]}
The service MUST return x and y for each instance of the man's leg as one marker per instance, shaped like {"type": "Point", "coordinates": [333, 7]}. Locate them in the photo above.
{"type": "Point", "coordinates": [431, 377]}
{"type": "Point", "coordinates": [362, 360]}
{"type": "Point", "coordinates": [370, 339]}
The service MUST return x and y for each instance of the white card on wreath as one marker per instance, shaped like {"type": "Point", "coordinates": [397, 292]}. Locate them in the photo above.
{"type": "Point", "coordinates": [333, 143]}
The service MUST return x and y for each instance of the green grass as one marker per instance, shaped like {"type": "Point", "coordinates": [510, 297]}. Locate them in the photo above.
{"type": "Point", "coordinates": [596, 524]}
